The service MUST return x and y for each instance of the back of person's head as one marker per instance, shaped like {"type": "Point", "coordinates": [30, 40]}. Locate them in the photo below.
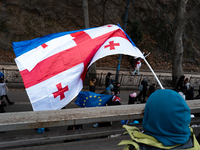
{"type": "Point", "coordinates": [109, 74]}
{"type": "Point", "coordinates": [111, 86]}
{"type": "Point", "coordinates": [186, 80]}
{"type": "Point", "coordinates": [144, 80]}
{"type": "Point", "coordinates": [118, 84]}
{"type": "Point", "coordinates": [167, 117]}
{"type": "Point", "coordinates": [1, 80]}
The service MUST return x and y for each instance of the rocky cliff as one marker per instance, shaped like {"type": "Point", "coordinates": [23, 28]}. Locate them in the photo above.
{"type": "Point", "coordinates": [151, 25]}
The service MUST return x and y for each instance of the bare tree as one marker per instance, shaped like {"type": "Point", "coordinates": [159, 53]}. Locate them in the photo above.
{"type": "Point", "coordinates": [182, 19]}
{"type": "Point", "coordinates": [86, 22]}
{"type": "Point", "coordinates": [85, 13]}
{"type": "Point", "coordinates": [104, 7]}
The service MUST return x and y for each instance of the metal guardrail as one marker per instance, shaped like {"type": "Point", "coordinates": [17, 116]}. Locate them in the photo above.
{"type": "Point", "coordinates": [66, 117]}
{"type": "Point", "coordinates": [14, 76]}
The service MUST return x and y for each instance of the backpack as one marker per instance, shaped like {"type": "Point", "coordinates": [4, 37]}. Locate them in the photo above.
{"type": "Point", "coordinates": [141, 87]}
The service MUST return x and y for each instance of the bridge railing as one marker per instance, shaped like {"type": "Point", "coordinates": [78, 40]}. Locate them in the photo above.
{"type": "Point", "coordinates": [14, 77]}
{"type": "Point", "coordinates": [77, 116]}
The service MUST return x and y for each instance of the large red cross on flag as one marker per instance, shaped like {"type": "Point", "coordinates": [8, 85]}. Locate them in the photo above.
{"type": "Point", "coordinates": [111, 45]}
{"type": "Point", "coordinates": [60, 91]}
{"type": "Point", "coordinates": [53, 67]}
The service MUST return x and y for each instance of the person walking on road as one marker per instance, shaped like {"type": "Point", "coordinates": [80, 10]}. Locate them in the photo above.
{"type": "Point", "coordinates": [3, 92]}
{"type": "Point", "coordinates": [137, 66]}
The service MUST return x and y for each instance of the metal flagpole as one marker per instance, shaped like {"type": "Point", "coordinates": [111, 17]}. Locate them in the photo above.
{"type": "Point", "coordinates": [124, 28]}
{"type": "Point", "coordinates": [153, 73]}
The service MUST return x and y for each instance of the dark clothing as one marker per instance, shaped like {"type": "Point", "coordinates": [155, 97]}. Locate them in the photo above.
{"type": "Point", "coordinates": [2, 109]}
{"type": "Point", "coordinates": [111, 103]}
{"type": "Point", "coordinates": [143, 92]}
{"type": "Point", "coordinates": [190, 94]}
{"type": "Point", "coordinates": [151, 90]}
{"type": "Point", "coordinates": [91, 87]}
{"type": "Point", "coordinates": [6, 96]}
{"type": "Point", "coordinates": [180, 82]}
{"type": "Point", "coordinates": [132, 100]}
{"type": "Point", "coordinates": [116, 90]}
{"type": "Point", "coordinates": [107, 81]}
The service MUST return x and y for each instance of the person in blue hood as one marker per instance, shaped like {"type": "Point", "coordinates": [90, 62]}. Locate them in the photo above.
{"type": "Point", "coordinates": [166, 124]}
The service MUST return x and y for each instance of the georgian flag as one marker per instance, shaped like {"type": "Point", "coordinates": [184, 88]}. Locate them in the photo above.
{"type": "Point", "coordinates": [53, 67]}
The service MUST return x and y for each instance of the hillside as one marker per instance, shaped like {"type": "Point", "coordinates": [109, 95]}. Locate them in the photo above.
{"type": "Point", "coordinates": [151, 25]}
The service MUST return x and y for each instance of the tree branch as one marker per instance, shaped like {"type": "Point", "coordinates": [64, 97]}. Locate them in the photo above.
{"type": "Point", "coordinates": [193, 12]}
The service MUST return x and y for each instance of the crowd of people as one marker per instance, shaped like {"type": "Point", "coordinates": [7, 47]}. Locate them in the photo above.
{"type": "Point", "coordinates": [170, 134]}
{"type": "Point", "coordinates": [184, 88]}
{"type": "Point", "coordinates": [111, 88]}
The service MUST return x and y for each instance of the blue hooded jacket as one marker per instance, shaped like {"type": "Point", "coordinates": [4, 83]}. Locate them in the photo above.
{"type": "Point", "coordinates": [167, 117]}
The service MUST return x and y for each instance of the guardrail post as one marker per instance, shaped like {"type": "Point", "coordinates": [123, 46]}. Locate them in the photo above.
{"type": "Point", "coordinates": [121, 79]}
{"type": "Point", "coordinates": [140, 80]}
{"type": "Point", "coordinates": [100, 79]}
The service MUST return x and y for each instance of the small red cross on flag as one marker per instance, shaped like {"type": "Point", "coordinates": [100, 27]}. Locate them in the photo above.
{"type": "Point", "coordinates": [44, 45]}
{"type": "Point", "coordinates": [112, 45]}
{"type": "Point", "coordinates": [60, 91]}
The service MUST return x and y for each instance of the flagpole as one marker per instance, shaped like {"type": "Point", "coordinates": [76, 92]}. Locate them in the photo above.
{"type": "Point", "coordinates": [124, 28]}
{"type": "Point", "coordinates": [153, 73]}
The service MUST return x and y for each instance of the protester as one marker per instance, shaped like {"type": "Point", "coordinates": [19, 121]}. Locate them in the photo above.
{"type": "Point", "coordinates": [143, 91]}
{"type": "Point", "coordinates": [137, 67]}
{"type": "Point", "coordinates": [109, 90]}
{"type": "Point", "coordinates": [117, 89]}
{"type": "Point", "coordinates": [108, 79]}
{"type": "Point", "coordinates": [190, 94]}
{"type": "Point", "coordinates": [92, 85]}
{"type": "Point", "coordinates": [132, 98]}
{"type": "Point", "coordinates": [165, 123]}
{"type": "Point", "coordinates": [151, 89]}
{"type": "Point", "coordinates": [186, 83]}
{"type": "Point", "coordinates": [180, 82]}
{"type": "Point", "coordinates": [3, 92]}
{"type": "Point", "coordinates": [182, 93]}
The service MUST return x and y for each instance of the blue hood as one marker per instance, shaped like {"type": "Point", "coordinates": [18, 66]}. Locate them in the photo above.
{"type": "Point", "coordinates": [167, 117]}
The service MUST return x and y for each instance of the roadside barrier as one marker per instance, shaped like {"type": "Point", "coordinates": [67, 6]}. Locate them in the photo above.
{"type": "Point", "coordinates": [79, 116]}
{"type": "Point", "coordinates": [14, 78]}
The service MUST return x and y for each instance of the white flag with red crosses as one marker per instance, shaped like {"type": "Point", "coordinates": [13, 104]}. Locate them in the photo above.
{"type": "Point", "coordinates": [53, 67]}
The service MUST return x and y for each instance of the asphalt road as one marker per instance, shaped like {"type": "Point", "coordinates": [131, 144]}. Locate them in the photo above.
{"type": "Point", "coordinates": [22, 103]}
